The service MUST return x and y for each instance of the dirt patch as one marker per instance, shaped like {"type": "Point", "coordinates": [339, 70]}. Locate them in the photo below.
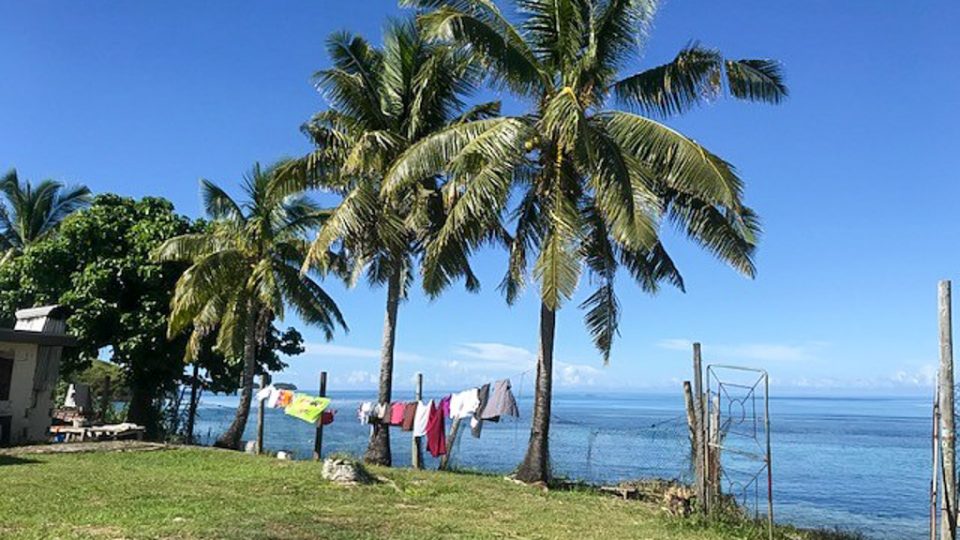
{"type": "Point", "coordinates": [83, 447]}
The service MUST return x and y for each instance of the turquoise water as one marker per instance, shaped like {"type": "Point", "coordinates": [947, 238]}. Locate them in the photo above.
{"type": "Point", "coordinates": [854, 463]}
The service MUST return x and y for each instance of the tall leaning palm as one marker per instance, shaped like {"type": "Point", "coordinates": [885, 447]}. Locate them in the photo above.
{"type": "Point", "coordinates": [33, 212]}
{"type": "Point", "coordinates": [244, 273]}
{"type": "Point", "coordinates": [382, 100]}
{"type": "Point", "coordinates": [593, 183]}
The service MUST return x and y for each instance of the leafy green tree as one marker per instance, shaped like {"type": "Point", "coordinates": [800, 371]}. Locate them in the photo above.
{"type": "Point", "coordinates": [244, 271]}
{"type": "Point", "coordinates": [382, 101]}
{"type": "Point", "coordinates": [33, 212]}
{"type": "Point", "coordinates": [99, 266]}
{"type": "Point", "coordinates": [594, 182]}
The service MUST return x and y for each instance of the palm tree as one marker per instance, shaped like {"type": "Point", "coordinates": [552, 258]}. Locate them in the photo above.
{"type": "Point", "coordinates": [382, 101]}
{"type": "Point", "coordinates": [593, 184]}
{"type": "Point", "coordinates": [33, 212]}
{"type": "Point", "coordinates": [245, 271]}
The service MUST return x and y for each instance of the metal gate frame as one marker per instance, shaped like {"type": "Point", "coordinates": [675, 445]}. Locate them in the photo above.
{"type": "Point", "coordinates": [722, 392]}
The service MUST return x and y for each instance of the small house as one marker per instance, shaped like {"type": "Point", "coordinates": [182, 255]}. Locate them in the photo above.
{"type": "Point", "coordinates": [29, 368]}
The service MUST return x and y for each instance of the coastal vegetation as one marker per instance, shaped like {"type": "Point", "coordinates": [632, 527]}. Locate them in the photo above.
{"type": "Point", "coordinates": [581, 183]}
{"type": "Point", "coordinates": [587, 175]}
{"type": "Point", "coordinates": [244, 274]}
{"type": "Point", "coordinates": [29, 213]}
{"type": "Point", "coordinates": [382, 101]}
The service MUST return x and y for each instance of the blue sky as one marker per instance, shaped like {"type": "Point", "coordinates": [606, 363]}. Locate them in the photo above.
{"type": "Point", "coordinates": [853, 176]}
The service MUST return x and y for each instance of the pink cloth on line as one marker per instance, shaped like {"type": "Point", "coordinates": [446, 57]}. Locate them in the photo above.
{"type": "Point", "coordinates": [445, 406]}
{"type": "Point", "coordinates": [396, 413]}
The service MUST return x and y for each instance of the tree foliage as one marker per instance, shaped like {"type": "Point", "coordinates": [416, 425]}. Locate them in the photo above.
{"type": "Point", "coordinates": [98, 265]}
{"type": "Point", "coordinates": [30, 213]}
{"type": "Point", "coordinates": [244, 273]}
{"type": "Point", "coordinates": [594, 183]}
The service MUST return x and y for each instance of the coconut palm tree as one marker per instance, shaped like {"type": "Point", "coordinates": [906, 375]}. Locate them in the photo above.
{"type": "Point", "coordinates": [245, 272]}
{"type": "Point", "coordinates": [33, 212]}
{"type": "Point", "coordinates": [382, 100]}
{"type": "Point", "coordinates": [593, 183]}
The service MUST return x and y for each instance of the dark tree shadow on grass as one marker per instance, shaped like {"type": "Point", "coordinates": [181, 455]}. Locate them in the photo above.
{"type": "Point", "coordinates": [13, 460]}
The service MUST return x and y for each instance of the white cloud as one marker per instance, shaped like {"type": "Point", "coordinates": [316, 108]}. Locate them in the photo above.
{"type": "Point", "coordinates": [481, 359]}
{"type": "Point", "coordinates": [361, 378]}
{"type": "Point", "coordinates": [577, 374]}
{"type": "Point", "coordinates": [495, 352]}
{"type": "Point", "coordinates": [488, 357]}
{"type": "Point", "coordinates": [766, 352]}
{"type": "Point", "coordinates": [342, 351]}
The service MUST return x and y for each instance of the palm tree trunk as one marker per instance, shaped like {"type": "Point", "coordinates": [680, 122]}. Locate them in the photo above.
{"type": "Point", "coordinates": [233, 437]}
{"type": "Point", "coordinates": [192, 410]}
{"type": "Point", "coordinates": [378, 451]}
{"type": "Point", "coordinates": [536, 464]}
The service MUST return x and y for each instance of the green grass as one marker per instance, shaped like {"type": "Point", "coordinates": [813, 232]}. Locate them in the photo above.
{"type": "Point", "coordinates": [202, 493]}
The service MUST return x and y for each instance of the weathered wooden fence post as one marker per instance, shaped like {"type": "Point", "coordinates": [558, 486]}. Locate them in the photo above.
{"type": "Point", "coordinates": [264, 381]}
{"type": "Point", "coordinates": [693, 425]}
{"type": "Point", "coordinates": [700, 406]}
{"type": "Point", "coordinates": [318, 437]}
{"type": "Point", "coordinates": [934, 477]}
{"type": "Point", "coordinates": [948, 501]}
{"type": "Point", "coordinates": [416, 456]}
{"type": "Point", "coordinates": [451, 441]}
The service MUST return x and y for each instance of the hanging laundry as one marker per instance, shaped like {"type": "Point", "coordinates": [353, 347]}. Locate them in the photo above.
{"type": "Point", "coordinates": [365, 411]}
{"type": "Point", "coordinates": [307, 408]}
{"type": "Point", "coordinates": [464, 404]}
{"type": "Point", "coordinates": [445, 406]}
{"type": "Point", "coordinates": [409, 415]}
{"type": "Point", "coordinates": [420, 418]}
{"type": "Point", "coordinates": [396, 413]}
{"type": "Point", "coordinates": [476, 422]}
{"type": "Point", "coordinates": [501, 403]}
{"type": "Point", "coordinates": [436, 437]}
{"type": "Point", "coordinates": [284, 398]}
{"type": "Point", "coordinates": [265, 392]}
{"type": "Point", "coordinates": [381, 414]}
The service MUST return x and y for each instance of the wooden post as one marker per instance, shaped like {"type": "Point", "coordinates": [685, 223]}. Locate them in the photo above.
{"type": "Point", "coordinates": [713, 468]}
{"type": "Point", "coordinates": [416, 455]}
{"type": "Point", "coordinates": [105, 400]}
{"type": "Point", "coordinates": [700, 407]}
{"type": "Point", "coordinates": [451, 441]}
{"type": "Point", "coordinates": [935, 447]}
{"type": "Point", "coordinates": [318, 437]}
{"type": "Point", "coordinates": [693, 425]}
{"type": "Point", "coordinates": [948, 449]}
{"type": "Point", "coordinates": [260, 406]}
{"type": "Point", "coordinates": [192, 408]}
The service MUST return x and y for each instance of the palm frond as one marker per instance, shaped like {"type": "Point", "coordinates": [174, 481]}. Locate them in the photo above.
{"type": "Point", "coordinates": [481, 26]}
{"type": "Point", "coordinates": [676, 87]}
{"type": "Point", "coordinates": [682, 163]}
{"type": "Point", "coordinates": [218, 204]}
{"type": "Point", "coordinates": [730, 235]}
{"type": "Point", "coordinates": [756, 80]}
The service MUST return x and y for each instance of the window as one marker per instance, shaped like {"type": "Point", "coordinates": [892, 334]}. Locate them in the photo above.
{"type": "Point", "coordinates": [6, 377]}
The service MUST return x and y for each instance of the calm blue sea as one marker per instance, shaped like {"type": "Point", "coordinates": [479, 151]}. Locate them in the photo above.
{"type": "Point", "coordinates": [854, 463]}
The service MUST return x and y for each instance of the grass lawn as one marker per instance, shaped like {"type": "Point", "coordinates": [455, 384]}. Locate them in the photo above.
{"type": "Point", "coordinates": [204, 493]}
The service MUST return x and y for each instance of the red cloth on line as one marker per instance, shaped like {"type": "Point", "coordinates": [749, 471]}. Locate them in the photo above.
{"type": "Point", "coordinates": [409, 415]}
{"type": "Point", "coordinates": [436, 438]}
{"type": "Point", "coordinates": [396, 413]}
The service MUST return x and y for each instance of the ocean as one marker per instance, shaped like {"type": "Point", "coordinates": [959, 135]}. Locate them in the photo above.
{"type": "Point", "coordinates": [855, 463]}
